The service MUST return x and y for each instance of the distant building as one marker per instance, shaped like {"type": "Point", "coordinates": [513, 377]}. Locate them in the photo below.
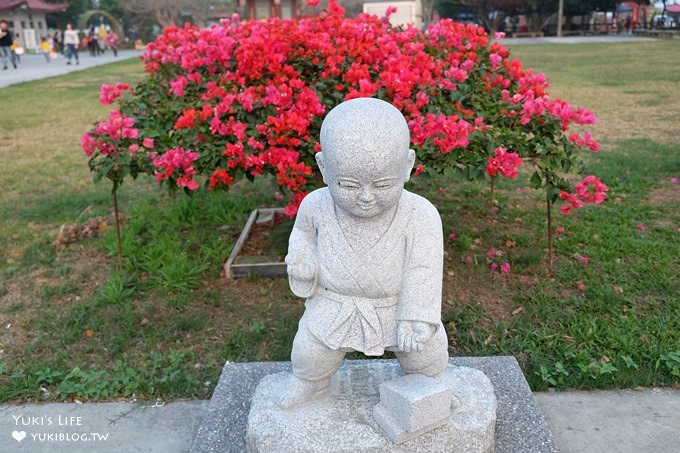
{"type": "Point", "coordinates": [26, 19]}
{"type": "Point", "coordinates": [264, 9]}
{"type": "Point", "coordinates": [408, 11]}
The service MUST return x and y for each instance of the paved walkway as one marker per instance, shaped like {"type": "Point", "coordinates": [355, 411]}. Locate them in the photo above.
{"type": "Point", "coordinates": [575, 40]}
{"type": "Point", "coordinates": [34, 67]}
{"type": "Point", "coordinates": [626, 421]}
{"type": "Point", "coordinates": [623, 421]}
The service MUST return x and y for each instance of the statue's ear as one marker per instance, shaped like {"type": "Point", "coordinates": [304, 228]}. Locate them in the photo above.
{"type": "Point", "coordinates": [320, 162]}
{"type": "Point", "coordinates": [410, 161]}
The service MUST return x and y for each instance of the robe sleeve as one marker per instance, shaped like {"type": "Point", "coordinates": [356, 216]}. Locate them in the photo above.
{"type": "Point", "coordinates": [302, 242]}
{"type": "Point", "coordinates": [420, 298]}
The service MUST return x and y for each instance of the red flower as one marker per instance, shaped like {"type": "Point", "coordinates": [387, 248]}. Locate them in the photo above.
{"type": "Point", "coordinates": [589, 190]}
{"type": "Point", "coordinates": [220, 177]}
{"type": "Point", "coordinates": [504, 163]}
{"type": "Point", "coordinates": [176, 159]}
{"type": "Point", "coordinates": [109, 93]}
{"type": "Point", "coordinates": [186, 120]}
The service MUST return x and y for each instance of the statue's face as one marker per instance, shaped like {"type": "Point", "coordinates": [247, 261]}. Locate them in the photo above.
{"type": "Point", "coordinates": [365, 184]}
{"type": "Point", "coordinates": [365, 159]}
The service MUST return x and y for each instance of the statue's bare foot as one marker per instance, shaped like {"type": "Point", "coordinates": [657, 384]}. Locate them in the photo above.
{"type": "Point", "coordinates": [301, 391]}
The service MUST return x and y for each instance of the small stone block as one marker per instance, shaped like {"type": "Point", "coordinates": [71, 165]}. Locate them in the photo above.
{"type": "Point", "coordinates": [412, 405]}
{"type": "Point", "coordinates": [396, 432]}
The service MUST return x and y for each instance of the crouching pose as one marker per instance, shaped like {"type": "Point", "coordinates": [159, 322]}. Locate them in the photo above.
{"type": "Point", "coordinates": [366, 254]}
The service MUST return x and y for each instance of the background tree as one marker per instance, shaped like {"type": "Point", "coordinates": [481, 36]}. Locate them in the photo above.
{"type": "Point", "coordinates": [542, 13]}
{"type": "Point", "coordinates": [539, 13]}
{"type": "Point", "coordinates": [455, 10]}
{"type": "Point", "coordinates": [493, 12]}
{"type": "Point", "coordinates": [124, 18]}
{"type": "Point", "coordinates": [71, 15]}
{"type": "Point", "coordinates": [174, 12]}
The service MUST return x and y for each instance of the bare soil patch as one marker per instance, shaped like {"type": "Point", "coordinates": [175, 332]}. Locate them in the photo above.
{"type": "Point", "coordinates": [81, 268]}
{"type": "Point", "coordinates": [668, 195]}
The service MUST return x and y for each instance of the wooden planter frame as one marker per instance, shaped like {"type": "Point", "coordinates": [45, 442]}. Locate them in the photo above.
{"type": "Point", "coordinates": [235, 270]}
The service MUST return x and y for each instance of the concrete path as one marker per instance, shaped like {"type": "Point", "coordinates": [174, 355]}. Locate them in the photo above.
{"type": "Point", "coordinates": [34, 67]}
{"type": "Point", "coordinates": [626, 421]}
{"type": "Point", "coordinates": [575, 40]}
{"type": "Point", "coordinates": [99, 427]}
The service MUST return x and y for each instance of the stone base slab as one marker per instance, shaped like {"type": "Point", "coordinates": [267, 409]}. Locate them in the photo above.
{"type": "Point", "coordinates": [520, 426]}
{"type": "Point", "coordinates": [342, 420]}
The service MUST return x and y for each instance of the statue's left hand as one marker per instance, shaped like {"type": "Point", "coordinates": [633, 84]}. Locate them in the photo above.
{"type": "Point", "coordinates": [412, 335]}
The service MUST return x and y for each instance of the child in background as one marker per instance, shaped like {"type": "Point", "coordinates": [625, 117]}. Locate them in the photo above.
{"type": "Point", "coordinates": [17, 52]}
{"type": "Point", "coordinates": [46, 48]}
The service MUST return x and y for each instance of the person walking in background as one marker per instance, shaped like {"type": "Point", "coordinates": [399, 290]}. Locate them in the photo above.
{"type": "Point", "coordinates": [6, 42]}
{"type": "Point", "coordinates": [71, 41]}
{"type": "Point", "coordinates": [92, 44]}
{"type": "Point", "coordinates": [58, 41]}
{"type": "Point", "coordinates": [112, 42]}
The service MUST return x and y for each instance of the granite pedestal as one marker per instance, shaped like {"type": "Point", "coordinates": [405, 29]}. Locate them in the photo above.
{"type": "Point", "coordinates": [520, 426]}
{"type": "Point", "coordinates": [348, 418]}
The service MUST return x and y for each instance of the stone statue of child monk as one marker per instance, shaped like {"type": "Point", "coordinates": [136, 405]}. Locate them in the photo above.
{"type": "Point", "coordinates": [367, 255]}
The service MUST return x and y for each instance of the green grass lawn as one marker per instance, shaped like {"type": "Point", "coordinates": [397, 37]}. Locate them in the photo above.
{"type": "Point", "coordinates": [76, 327]}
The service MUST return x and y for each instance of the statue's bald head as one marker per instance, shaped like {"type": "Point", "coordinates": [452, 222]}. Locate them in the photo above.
{"type": "Point", "coordinates": [368, 132]}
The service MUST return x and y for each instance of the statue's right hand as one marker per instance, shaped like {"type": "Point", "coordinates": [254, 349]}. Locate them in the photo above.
{"type": "Point", "coordinates": [301, 267]}
{"type": "Point", "coordinates": [302, 274]}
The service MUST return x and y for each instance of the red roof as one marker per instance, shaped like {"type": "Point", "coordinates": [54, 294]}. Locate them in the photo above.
{"type": "Point", "coordinates": [673, 8]}
{"type": "Point", "coordinates": [33, 5]}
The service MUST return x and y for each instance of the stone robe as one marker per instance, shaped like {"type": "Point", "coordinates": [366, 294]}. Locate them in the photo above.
{"type": "Point", "coordinates": [359, 297]}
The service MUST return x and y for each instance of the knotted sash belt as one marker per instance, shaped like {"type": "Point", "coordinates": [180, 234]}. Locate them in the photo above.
{"type": "Point", "coordinates": [356, 325]}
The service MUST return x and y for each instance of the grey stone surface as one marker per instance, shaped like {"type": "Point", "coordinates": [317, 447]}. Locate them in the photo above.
{"type": "Point", "coordinates": [520, 426]}
{"type": "Point", "coordinates": [224, 425]}
{"type": "Point", "coordinates": [412, 403]}
{"type": "Point", "coordinates": [396, 432]}
{"type": "Point", "coordinates": [100, 427]}
{"type": "Point", "coordinates": [342, 421]}
{"type": "Point", "coordinates": [622, 421]}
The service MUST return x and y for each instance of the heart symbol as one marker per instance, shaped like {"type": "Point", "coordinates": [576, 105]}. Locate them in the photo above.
{"type": "Point", "coordinates": [19, 435]}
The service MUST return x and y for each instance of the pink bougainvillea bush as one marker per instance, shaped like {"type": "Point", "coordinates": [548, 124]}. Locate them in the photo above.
{"type": "Point", "coordinates": [247, 98]}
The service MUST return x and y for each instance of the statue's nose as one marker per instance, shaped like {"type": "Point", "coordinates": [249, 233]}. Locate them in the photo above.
{"type": "Point", "coordinates": [366, 195]}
